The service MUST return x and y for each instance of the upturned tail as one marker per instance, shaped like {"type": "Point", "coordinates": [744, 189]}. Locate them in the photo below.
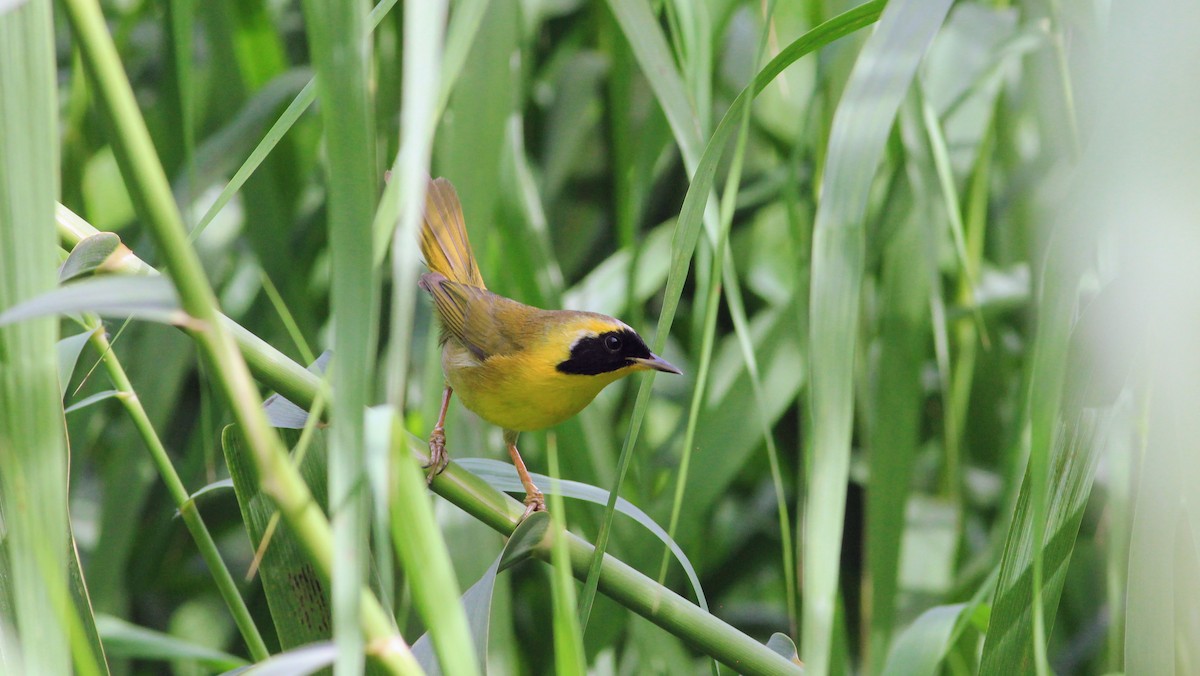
{"type": "Point", "coordinates": [444, 242]}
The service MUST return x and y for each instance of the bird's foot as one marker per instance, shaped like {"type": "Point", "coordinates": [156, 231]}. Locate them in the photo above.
{"type": "Point", "coordinates": [534, 502]}
{"type": "Point", "coordinates": [438, 458]}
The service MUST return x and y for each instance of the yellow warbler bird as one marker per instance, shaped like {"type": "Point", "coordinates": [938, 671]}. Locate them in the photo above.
{"type": "Point", "coordinates": [516, 366]}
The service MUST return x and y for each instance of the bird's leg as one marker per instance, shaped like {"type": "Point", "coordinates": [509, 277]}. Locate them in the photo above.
{"type": "Point", "coordinates": [534, 502]}
{"type": "Point", "coordinates": [438, 459]}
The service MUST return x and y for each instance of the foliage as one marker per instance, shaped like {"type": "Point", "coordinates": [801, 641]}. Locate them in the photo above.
{"type": "Point", "coordinates": [864, 232]}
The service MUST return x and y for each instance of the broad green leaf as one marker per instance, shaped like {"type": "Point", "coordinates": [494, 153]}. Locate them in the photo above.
{"type": "Point", "coordinates": [296, 594]}
{"type": "Point", "coordinates": [882, 74]}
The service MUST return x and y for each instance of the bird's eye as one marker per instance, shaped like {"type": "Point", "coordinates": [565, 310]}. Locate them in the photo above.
{"type": "Point", "coordinates": [612, 343]}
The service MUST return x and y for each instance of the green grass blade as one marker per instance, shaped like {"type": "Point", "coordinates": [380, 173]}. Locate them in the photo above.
{"type": "Point", "coordinates": [339, 49]}
{"type": "Point", "coordinates": [33, 450]}
{"type": "Point", "coordinates": [399, 210]}
{"type": "Point", "coordinates": [897, 399]}
{"type": "Point", "coordinates": [882, 74]}
{"type": "Point", "coordinates": [1012, 631]}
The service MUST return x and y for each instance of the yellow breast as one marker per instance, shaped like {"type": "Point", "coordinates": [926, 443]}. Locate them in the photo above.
{"type": "Point", "coordinates": [521, 392]}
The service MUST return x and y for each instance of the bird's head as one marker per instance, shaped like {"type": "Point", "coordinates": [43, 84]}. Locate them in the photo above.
{"type": "Point", "coordinates": [603, 346]}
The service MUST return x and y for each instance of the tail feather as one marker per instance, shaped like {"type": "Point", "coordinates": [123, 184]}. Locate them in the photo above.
{"type": "Point", "coordinates": [444, 241]}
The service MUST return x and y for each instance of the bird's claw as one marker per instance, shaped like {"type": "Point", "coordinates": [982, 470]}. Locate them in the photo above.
{"type": "Point", "coordinates": [438, 458]}
{"type": "Point", "coordinates": [534, 502]}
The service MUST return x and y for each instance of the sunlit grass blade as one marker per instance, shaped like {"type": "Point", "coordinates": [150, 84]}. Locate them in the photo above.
{"type": "Point", "coordinates": [422, 551]}
{"type": "Point", "coordinates": [33, 449]}
{"type": "Point", "coordinates": [882, 74]}
{"type": "Point", "coordinates": [338, 42]}
{"type": "Point", "coordinates": [408, 527]}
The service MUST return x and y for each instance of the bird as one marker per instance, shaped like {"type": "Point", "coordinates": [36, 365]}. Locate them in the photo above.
{"type": "Point", "coordinates": [518, 367]}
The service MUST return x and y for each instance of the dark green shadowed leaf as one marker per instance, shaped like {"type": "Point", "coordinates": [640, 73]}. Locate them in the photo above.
{"type": "Point", "coordinates": [298, 598]}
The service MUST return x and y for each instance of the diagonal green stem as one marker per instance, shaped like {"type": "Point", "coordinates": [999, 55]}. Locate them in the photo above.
{"type": "Point", "coordinates": [187, 508]}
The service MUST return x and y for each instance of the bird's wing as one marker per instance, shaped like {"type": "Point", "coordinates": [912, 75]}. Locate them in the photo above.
{"type": "Point", "coordinates": [472, 316]}
{"type": "Point", "coordinates": [444, 240]}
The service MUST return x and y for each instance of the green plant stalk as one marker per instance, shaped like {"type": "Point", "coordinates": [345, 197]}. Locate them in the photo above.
{"type": "Point", "coordinates": [152, 197]}
{"type": "Point", "coordinates": [187, 508]}
{"type": "Point", "coordinates": [617, 580]}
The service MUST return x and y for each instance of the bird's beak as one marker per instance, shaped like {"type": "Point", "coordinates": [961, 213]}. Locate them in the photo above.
{"type": "Point", "coordinates": [657, 363]}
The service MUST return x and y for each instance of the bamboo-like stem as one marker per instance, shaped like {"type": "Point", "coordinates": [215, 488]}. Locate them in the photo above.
{"type": "Point", "coordinates": [151, 194]}
{"type": "Point", "coordinates": [187, 508]}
